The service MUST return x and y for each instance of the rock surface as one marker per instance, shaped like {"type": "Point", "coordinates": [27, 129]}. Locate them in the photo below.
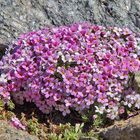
{"type": "Point", "coordinates": [123, 130]}
{"type": "Point", "coordinates": [7, 132]}
{"type": "Point", "coordinates": [19, 16]}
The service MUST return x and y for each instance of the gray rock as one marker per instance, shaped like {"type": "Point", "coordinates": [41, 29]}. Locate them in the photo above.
{"type": "Point", "coordinates": [123, 130]}
{"type": "Point", "coordinates": [7, 132]}
{"type": "Point", "coordinates": [19, 16]}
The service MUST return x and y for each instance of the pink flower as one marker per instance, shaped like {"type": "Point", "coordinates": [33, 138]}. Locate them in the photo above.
{"type": "Point", "coordinates": [121, 110]}
{"type": "Point", "coordinates": [16, 123]}
{"type": "Point", "coordinates": [102, 98]}
{"type": "Point", "coordinates": [72, 67]}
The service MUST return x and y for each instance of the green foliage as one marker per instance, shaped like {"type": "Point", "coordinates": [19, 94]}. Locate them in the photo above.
{"type": "Point", "coordinates": [88, 114]}
{"type": "Point", "coordinates": [74, 132]}
{"type": "Point", "coordinates": [85, 118]}
{"type": "Point", "coordinates": [11, 105]}
{"type": "Point", "coordinates": [54, 136]}
{"type": "Point", "coordinates": [1, 104]}
{"type": "Point", "coordinates": [99, 121]}
{"type": "Point", "coordinates": [93, 134]}
{"type": "Point", "coordinates": [33, 126]}
{"type": "Point", "coordinates": [68, 132]}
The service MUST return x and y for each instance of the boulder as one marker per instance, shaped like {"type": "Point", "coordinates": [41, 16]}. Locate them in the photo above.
{"type": "Point", "coordinates": [8, 132]}
{"type": "Point", "coordinates": [19, 16]}
{"type": "Point", "coordinates": [123, 130]}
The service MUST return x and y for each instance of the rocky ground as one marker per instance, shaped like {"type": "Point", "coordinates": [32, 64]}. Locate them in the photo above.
{"type": "Point", "coordinates": [7, 132]}
{"type": "Point", "coordinates": [19, 16]}
{"type": "Point", "coordinates": [123, 130]}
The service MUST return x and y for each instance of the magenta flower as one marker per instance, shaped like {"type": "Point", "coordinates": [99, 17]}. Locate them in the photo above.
{"type": "Point", "coordinates": [72, 67]}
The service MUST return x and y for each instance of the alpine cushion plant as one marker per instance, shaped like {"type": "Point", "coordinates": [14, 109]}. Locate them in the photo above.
{"type": "Point", "coordinates": [72, 67]}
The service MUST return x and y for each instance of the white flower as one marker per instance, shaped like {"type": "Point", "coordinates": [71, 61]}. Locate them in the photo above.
{"type": "Point", "coordinates": [137, 99]}
{"type": "Point", "coordinates": [3, 78]}
{"type": "Point", "coordinates": [111, 94]}
{"type": "Point", "coordinates": [20, 59]}
{"type": "Point", "coordinates": [79, 27]}
{"type": "Point", "coordinates": [117, 98]}
{"type": "Point", "coordinates": [129, 105]}
{"type": "Point", "coordinates": [100, 110]}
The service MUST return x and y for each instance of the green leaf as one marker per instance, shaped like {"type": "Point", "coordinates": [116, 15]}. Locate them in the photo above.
{"type": "Point", "coordinates": [11, 105]}
{"type": "Point", "coordinates": [1, 105]}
